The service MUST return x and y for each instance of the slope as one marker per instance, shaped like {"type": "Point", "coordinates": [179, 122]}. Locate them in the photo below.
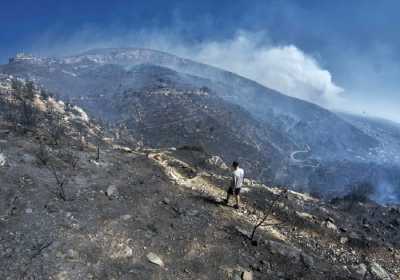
{"type": "Point", "coordinates": [156, 214]}
{"type": "Point", "coordinates": [284, 126]}
{"type": "Point", "coordinates": [307, 124]}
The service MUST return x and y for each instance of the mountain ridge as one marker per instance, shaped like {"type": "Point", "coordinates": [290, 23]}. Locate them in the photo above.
{"type": "Point", "coordinates": [330, 141]}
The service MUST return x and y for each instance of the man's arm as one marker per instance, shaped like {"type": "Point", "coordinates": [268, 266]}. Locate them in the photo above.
{"type": "Point", "coordinates": [234, 179]}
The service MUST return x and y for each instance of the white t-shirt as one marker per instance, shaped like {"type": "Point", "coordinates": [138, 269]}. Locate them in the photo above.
{"type": "Point", "coordinates": [237, 178]}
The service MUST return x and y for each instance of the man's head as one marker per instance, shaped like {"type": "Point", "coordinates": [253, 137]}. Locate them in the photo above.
{"type": "Point", "coordinates": [235, 165]}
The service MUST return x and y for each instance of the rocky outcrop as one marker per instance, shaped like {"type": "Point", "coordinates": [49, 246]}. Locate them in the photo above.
{"type": "Point", "coordinates": [378, 272]}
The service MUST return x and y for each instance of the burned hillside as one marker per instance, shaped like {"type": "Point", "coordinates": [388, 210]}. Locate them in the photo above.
{"type": "Point", "coordinates": [78, 202]}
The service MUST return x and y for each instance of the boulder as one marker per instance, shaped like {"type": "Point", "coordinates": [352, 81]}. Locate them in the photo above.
{"type": "Point", "coordinates": [305, 216]}
{"type": "Point", "coordinates": [153, 258]}
{"type": "Point", "coordinates": [125, 149]}
{"type": "Point", "coordinates": [292, 253]}
{"type": "Point", "coordinates": [247, 275]}
{"type": "Point", "coordinates": [218, 162]}
{"type": "Point", "coordinates": [112, 191]}
{"type": "Point", "coordinates": [242, 231]}
{"type": "Point", "coordinates": [307, 260]}
{"type": "Point", "coordinates": [358, 271]}
{"type": "Point", "coordinates": [357, 240]}
{"type": "Point", "coordinates": [119, 250]}
{"type": "Point", "coordinates": [330, 225]}
{"type": "Point", "coordinates": [378, 271]}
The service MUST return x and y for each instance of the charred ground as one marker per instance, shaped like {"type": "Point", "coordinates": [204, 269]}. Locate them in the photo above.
{"type": "Point", "coordinates": [116, 209]}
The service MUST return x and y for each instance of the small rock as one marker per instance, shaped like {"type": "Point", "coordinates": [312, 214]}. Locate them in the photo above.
{"type": "Point", "coordinates": [192, 212]}
{"type": "Point", "coordinates": [51, 208]}
{"type": "Point", "coordinates": [343, 230]}
{"type": "Point", "coordinates": [243, 231]}
{"type": "Point", "coordinates": [358, 271]}
{"type": "Point", "coordinates": [255, 267]}
{"type": "Point", "coordinates": [344, 240]}
{"type": "Point", "coordinates": [125, 149]}
{"type": "Point", "coordinates": [126, 217]}
{"type": "Point", "coordinates": [329, 219]}
{"type": "Point", "coordinates": [28, 210]}
{"type": "Point", "coordinates": [153, 258]}
{"type": "Point", "coordinates": [72, 254]}
{"type": "Point", "coordinates": [2, 159]}
{"type": "Point", "coordinates": [307, 260]}
{"type": "Point", "coordinates": [166, 201]}
{"type": "Point", "coordinates": [378, 271]}
{"type": "Point", "coordinates": [395, 222]}
{"type": "Point", "coordinates": [157, 157]}
{"type": "Point", "coordinates": [112, 191]}
{"type": "Point", "coordinates": [304, 215]}
{"type": "Point", "coordinates": [127, 252]}
{"type": "Point", "coordinates": [247, 275]}
{"type": "Point", "coordinates": [329, 225]}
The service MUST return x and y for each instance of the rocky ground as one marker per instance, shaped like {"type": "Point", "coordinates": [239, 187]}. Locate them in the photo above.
{"type": "Point", "coordinates": [157, 214]}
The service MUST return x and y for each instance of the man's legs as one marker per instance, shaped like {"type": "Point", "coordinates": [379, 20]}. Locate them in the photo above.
{"type": "Point", "coordinates": [235, 193]}
{"type": "Point", "coordinates": [237, 198]}
{"type": "Point", "coordinates": [228, 195]}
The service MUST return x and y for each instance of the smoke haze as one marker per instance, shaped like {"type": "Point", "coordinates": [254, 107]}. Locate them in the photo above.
{"type": "Point", "coordinates": [283, 67]}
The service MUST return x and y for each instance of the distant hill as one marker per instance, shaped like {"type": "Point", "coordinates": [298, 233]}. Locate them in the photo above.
{"type": "Point", "coordinates": [291, 141]}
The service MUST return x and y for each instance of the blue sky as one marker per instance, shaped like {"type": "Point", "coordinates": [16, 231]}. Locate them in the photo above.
{"type": "Point", "coordinates": [356, 41]}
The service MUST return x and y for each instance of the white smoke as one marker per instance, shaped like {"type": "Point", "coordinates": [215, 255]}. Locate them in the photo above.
{"type": "Point", "coordinates": [386, 194]}
{"type": "Point", "coordinates": [284, 68]}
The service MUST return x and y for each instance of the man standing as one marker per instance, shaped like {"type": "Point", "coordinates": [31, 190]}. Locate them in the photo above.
{"type": "Point", "coordinates": [236, 184]}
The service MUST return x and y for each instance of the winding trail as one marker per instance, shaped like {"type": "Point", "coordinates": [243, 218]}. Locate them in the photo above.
{"type": "Point", "coordinates": [305, 162]}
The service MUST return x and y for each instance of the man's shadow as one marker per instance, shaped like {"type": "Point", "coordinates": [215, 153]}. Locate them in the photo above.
{"type": "Point", "coordinates": [212, 200]}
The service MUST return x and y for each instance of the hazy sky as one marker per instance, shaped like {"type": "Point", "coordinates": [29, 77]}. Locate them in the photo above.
{"type": "Point", "coordinates": [340, 54]}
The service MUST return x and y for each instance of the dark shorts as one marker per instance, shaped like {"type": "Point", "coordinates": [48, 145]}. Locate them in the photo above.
{"type": "Point", "coordinates": [234, 191]}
